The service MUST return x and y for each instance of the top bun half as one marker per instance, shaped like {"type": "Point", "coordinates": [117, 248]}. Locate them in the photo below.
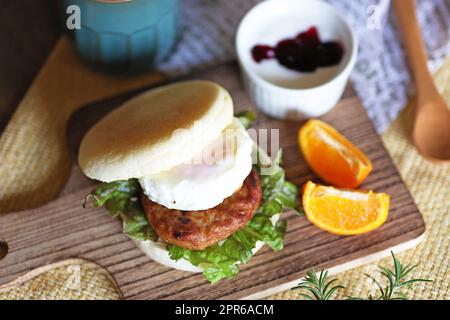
{"type": "Point", "coordinates": [156, 131]}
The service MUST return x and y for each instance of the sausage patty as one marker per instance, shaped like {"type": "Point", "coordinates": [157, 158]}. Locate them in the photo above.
{"type": "Point", "coordinates": [197, 230]}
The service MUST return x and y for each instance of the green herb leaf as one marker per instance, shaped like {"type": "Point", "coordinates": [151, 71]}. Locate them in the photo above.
{"type": "Point", "coordinates": [318, 287]}
{"type": "Point", "coordinates": [396, 280]}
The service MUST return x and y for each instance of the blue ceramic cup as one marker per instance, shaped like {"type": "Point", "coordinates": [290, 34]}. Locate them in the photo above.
{"type": "Point", "coordinates": [125, 36]}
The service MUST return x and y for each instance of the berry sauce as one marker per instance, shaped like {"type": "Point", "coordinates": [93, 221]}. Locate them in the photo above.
{"type": "Point", "coordinates": [304, 53]}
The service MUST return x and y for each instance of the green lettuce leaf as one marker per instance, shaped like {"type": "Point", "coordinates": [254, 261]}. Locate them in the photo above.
{"type": "Point", "coordinates": [246, 118]}
{"type": "Point", "coordinates": [122, 199]}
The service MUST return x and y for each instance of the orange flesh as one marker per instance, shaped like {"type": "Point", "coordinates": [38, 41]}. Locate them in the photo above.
{"type": "Point", "coordinates": [331, 156]}
{"type": "Point", "coordinates": [343, 211]}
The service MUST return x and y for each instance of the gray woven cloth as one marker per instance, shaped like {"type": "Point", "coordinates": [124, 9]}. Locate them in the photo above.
{"type": "Point", "coordinates": [381, 77]}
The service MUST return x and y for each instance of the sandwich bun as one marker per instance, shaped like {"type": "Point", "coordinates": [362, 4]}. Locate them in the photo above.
{"type": "Point", "coordinates": [156, 131]}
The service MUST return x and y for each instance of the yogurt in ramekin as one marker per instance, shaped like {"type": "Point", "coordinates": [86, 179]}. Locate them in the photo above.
{"type": "Point", "coordinates": [281, 92]}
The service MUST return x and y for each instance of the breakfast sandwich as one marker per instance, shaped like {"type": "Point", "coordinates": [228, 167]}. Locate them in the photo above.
{"type": "Point", "coordinates": [187, 180]}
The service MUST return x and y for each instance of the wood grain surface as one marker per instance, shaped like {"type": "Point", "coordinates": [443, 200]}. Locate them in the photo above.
{"type": "Point", "coordinates": [63, 229]}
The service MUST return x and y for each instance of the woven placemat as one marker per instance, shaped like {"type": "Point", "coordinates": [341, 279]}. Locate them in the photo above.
{"type": "Point", "coordinates": [72, 279]}
{"type": "Point", "coordinates": [78, 279]}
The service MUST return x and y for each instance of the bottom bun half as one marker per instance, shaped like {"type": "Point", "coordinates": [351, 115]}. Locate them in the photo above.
{"type": "Point", "coordinates": [157, 251]}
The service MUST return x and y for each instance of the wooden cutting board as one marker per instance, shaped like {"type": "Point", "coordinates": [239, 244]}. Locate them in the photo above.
{"type": "Point", "coordinates": [63, 229]}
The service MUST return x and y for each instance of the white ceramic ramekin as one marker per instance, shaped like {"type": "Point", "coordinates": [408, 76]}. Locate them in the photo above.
{"type": "Point", "coordinates": [285, 19]}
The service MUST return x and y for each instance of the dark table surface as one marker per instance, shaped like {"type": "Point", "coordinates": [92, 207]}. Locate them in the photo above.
{"type": "Point", "coordinates": [28, 32]}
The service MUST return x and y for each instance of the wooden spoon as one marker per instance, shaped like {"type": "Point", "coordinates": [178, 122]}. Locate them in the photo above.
{"type": "Point", "coordinates": [431, 132]}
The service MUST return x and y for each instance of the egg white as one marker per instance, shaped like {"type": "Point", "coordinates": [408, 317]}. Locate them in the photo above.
{"type": "Point", "coordinates": [209, 178]}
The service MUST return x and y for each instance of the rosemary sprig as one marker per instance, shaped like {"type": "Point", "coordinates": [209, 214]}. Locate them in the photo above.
{"type": "Point", "coordinates": [319, 288]}
{"type": "Point", "coordinates": [396, 281]}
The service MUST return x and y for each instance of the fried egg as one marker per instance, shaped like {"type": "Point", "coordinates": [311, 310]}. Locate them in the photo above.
{"type": "Point", "coordinates": [209, 178]}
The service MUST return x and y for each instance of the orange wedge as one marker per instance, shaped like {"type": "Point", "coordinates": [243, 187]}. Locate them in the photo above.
{"type": "Point", "coordinates": [344, 212]}
{"type": "Point", "coordinates": [331, 156]}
